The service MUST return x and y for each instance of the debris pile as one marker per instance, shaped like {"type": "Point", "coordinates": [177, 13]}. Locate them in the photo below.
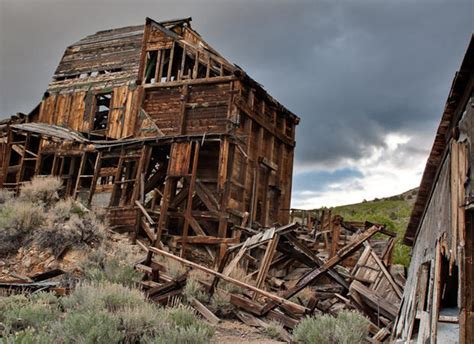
{"type": "Point", "coordinates": [290, 272]}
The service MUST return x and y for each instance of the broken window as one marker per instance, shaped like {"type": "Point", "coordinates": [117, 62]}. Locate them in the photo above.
{"type": "Point", "coordinates": [150, 70]}
{"type": "Point", "coordinates": [102, 111]}
{"type": "Point", "coordinates": [179, 62]}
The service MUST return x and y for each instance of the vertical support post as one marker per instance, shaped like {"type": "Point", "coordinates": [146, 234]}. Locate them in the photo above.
{"type": "Point", "coordinates": [189, 202]}
{"type": "Point", "coordinates": [158, 67]}
{"type": "Point", "coordinates": [182, 114]}
{"type": "Point", "coordinates": [170, 63]}
{"type": "Point", "coordinates": [436, 294]}
{"type": "Point", "coordinates": [97, 165]}
{"type": "Point", "coordinates": [335, 233]}
{"type": "Point", "coordinates": [183, 59]}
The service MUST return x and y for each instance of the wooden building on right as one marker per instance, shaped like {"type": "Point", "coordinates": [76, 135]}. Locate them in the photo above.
{"type": "Point", "coordinates": [438, 300]}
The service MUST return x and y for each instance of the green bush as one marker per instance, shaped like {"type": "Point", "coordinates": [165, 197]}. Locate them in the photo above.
{"type": "Point", "coordinates": [349, 327]}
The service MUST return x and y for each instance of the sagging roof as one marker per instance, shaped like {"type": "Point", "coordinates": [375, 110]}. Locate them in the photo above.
{"type": "Point", "coordinates": [106, 56]}
{"type": "Point", "coordinates": [51, 130]}
{"type": "Point", "coordinates": [440, 145]}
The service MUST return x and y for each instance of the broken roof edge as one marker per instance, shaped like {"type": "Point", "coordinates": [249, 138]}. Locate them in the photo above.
{"type": "Point", "coordinates": [439, 148]}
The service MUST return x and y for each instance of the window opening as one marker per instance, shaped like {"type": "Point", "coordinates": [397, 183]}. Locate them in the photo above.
{"type": "Point", "coordinates": [102, 111]}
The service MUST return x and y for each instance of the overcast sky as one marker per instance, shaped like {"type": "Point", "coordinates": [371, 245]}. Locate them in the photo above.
{"type": "Point", "coordinates": [369, 79]}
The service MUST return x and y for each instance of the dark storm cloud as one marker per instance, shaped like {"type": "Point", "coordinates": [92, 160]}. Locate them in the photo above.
{"type": "Point", "coordinates": [321, 180]}
{"type": "Point", "coordinates": [353, 71]}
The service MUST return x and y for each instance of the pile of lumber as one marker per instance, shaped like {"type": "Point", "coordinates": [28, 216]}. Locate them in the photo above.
{"type": "Point", "coordinates": [291, 271]}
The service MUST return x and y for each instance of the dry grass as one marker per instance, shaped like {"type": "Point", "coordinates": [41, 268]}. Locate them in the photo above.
{"type": "Point", "coordinates": [41, 190]}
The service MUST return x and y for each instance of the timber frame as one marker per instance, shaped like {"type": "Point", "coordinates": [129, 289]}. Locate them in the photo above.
{"type": "Point", "coordinates": [151, 123]}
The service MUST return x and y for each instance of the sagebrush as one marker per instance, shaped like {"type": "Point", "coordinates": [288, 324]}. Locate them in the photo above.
{"type": "Point", "coordinates": [349, 327]}
{"type": "Point", "coordinates": [98, 313]}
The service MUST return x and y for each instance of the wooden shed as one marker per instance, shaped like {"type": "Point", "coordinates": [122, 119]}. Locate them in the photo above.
{"type": "Point", "coordinates": [153, 124]}
{"type": "Point", "coordinates": [438, 301]}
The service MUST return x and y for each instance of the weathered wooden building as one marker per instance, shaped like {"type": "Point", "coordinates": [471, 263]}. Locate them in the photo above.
{"type": "Point", "coordinates": [152, 120]}
{"type": "Point", "coordinates": [438, 301]}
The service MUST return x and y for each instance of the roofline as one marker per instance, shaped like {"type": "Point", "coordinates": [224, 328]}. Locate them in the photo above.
{"type": "Point", "coordinates": [451, 115]}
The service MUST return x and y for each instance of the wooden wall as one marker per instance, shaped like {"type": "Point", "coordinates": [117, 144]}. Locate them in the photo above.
{"type": "Point", "coordinates": [188, 109]}
{"type": "Point", "coordinates": [75, 110]}
{"type": "Point", "coordinates": [440, 249]}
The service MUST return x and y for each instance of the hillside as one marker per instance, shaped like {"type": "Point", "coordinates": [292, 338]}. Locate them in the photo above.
{"type": "Point", "coordinates": [393, 211]}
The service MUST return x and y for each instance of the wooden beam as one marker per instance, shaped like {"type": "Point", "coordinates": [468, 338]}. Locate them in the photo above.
{"type": "Point", "coordinates": [384, 270]}
{"type": "Point", "coordinates": [266, 261]}
{"type": "Point", "coordinates": [204, 311]}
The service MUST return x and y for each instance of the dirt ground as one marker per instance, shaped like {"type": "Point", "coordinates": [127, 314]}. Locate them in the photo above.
{"type": "Point", "coordinates": [236, 332]}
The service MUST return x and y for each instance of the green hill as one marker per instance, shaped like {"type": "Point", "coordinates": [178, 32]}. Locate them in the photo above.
{"type": "Point", "coordinates": [393, 211]}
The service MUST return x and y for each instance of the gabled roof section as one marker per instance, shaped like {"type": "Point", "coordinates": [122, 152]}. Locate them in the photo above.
{"type": "Point", "coordinates": [107, 57]}
{"type": "Point", "coordinates": [440, 145]}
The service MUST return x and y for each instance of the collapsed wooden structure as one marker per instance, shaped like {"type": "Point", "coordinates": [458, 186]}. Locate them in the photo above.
{"type": "Point", "coordinates": [153, 124]}
{"type": "Point", "coordinates": [338, 264]}
{"type": "Point", "coordinates": [438, 302]}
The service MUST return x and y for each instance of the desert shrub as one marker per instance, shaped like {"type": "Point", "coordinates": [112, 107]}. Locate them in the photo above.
{"type": "Point", "coordinates": [41, 190]}
{"type": "Point", "coordinates": [98, 313]}
{"type": "Point", "coordinates": [27, 220]}
{"type": "Point", "coordinates": [5, 196]}
{"type": "Point", "coordinates": [29, 335]}
{"type": "Point", "coordinates": [318, 329]}
{"type": "Point", "coordinates": [64, 209]}
{"type": "Point", "coordinates": [239, 274]}
{"type": "Point", "coordinates": [63, 231]}
{"type": "Point", "coordinates": [193, 289]}
{"type": "Point", "coordinates": [141, 322]}
{"type": "Point", "coordinates": [220, 305]}
{"type": "Point", "coordinates": [274, 330]}
{"type": "Point", "coordinates": [109, 296]}
{"type": "Point", "coordinates": [93, 326]}
{"type": "Point", "coordinates": [19, 312]}
{"type": "Point", "coordinates": [22, 216]}
{"type": "Point", "coordinates": [115, 267]}
{"type": "Point", "coordinates": [173, 268]}
{"type": "Point", "coordinates": [349, 327]}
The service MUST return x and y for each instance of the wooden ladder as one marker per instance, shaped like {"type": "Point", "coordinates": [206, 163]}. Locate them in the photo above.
{"type": "Point", "coordinates": [92, 176]}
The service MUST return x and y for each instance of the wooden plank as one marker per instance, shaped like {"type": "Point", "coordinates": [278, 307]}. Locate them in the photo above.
{"type": "Point", "coordinates": [265, 264]}
{"type": "Point", "coordinates": [145, 213]}
{"type": "Point", "coordinates": [376, 302]}
{"type": "Point", "coordinates": [384, 270]}
{"type": "Point", "coordinates": [204, 311]}
{"type": "Point", "coordinates": [207, 240]}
